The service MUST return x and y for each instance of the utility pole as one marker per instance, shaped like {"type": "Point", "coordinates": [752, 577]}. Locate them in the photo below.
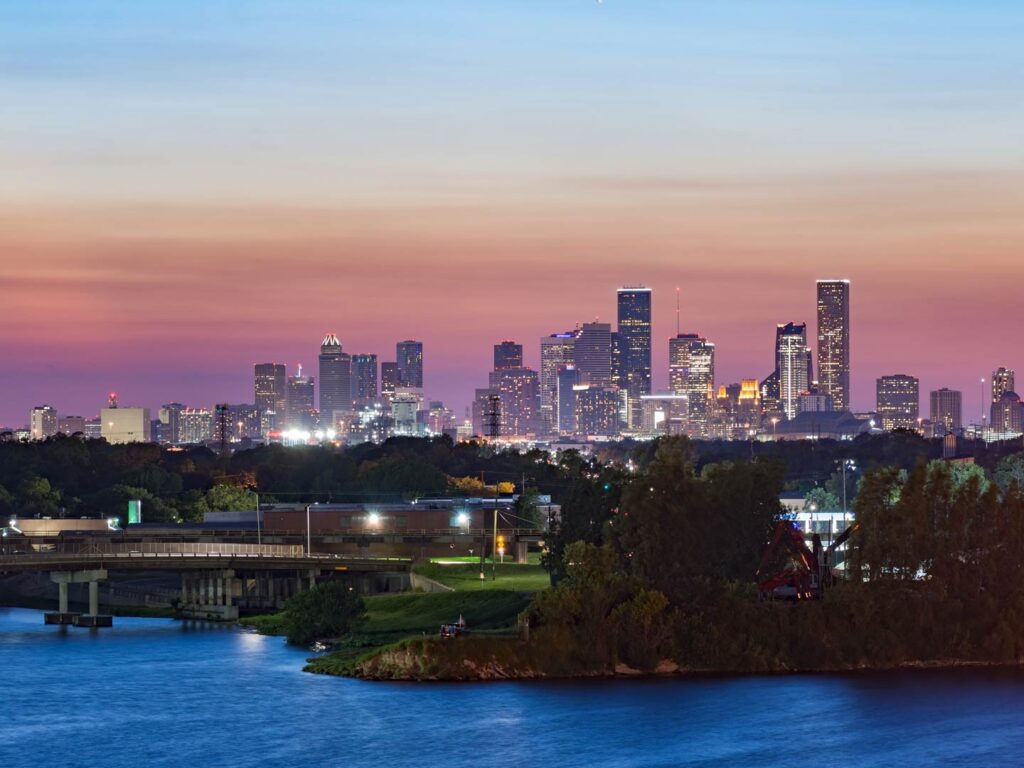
{"type": "Point", "coordinates": [494, 539]}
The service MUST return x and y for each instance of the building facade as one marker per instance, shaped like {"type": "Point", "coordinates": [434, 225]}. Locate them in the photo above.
{"type": "Point", "coordinates": [945, 412]}
{"type": "Point", "coordinates": [364, 379]}
{"type": "Point", "coordinates": [270, 393]}
{"type": "Point", "coordinates": [508, 354]}
{"type": "Point", "coordinates": [898, 401]}
{"type": "Point", "coordinates": [633, 367]}
{"type": "Point", "coordinates": [691, 366]}
{"type": "Point", "coordinates": [409, 359]}
{"type": "Point", "coordinates": [300, 405]}
{"type": "Point", "coordinates": [335, 372]}
{"type": "Point", "coordinates": [556, 352]}
{"type": "Point", "coordinates": [794, 364]}
{"type": "Point", "coordinates": [42, 422]}
{"type": "Point", "coordinates": [593, 354]}
{"type": "Point", "coordinates": [834, 341]}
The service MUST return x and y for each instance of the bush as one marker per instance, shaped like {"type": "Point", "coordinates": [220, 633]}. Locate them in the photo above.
{"type": "Point", "coordinates": [325, 611]}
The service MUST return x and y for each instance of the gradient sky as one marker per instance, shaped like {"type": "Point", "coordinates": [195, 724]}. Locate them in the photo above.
{"type": "Point", "coordinates": [190, 187]}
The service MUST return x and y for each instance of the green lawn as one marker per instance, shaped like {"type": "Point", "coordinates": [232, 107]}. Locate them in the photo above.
{"type": "Point", "coordinates": [466, 577]}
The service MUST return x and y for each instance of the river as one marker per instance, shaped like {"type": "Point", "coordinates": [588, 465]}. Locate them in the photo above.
{"type": "Point", "coordinates": [155, 692]}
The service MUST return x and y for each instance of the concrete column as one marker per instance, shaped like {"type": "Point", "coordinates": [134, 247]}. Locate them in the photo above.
{"type": "Point", "coordinates": [211, 595]}
{"type": "Point", "coordinates": [312, 579]}
{"type": "Point", "coordinates": [521, 549]}
{"type": "Point", "coordinates": [62, 600]}
{"type": "Point", "coordinates": [219, 591]}
{"type": "Point", "coordinates": [272, 591]}
{"type": "Point", "coordinates": [94, 598]}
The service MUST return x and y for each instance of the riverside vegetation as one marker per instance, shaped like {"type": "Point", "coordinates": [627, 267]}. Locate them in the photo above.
{"type": "Point", "coordinates": [662, 581]}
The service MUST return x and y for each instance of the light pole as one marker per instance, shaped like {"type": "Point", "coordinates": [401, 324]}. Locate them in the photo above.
{"type": "Point", "coordinates": [259, 537]}
{"type": "Point", "coordinates": [309, 533]}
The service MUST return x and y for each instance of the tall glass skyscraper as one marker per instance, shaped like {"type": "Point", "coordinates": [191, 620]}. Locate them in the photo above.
{"type": "Point", "coordinates": [508, 354]}
{"type": "Point", "coordinates": [794, 365]}
{"type": "Point", "coordinates": [364, 379]}
{"type": "Point", "coordinates": [556, 351]}
{"type": "Point", "coordinates": [834, 341]}
{"type": "Point", "coordinates": [594, 354]}
{"type": "Point", "coordinates": [335, 380]}
{"type": "Point", "coordinates": [409, 358]}
{"type": "Point", "coordinates": [269, 393]}
{"type": "Point", "coordinates": [898, 401]}
{"type": "Point", "coordinates": [691, 361]}
{"type": "Point", "coordinates": [634, 337]}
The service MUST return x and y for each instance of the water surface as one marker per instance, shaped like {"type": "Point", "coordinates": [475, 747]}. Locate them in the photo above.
{"type": "Point", "coordinates": [155, 692]}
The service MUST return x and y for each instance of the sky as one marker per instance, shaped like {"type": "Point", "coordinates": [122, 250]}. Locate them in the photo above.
{"type": "Point", "coordinates": [191, 187]}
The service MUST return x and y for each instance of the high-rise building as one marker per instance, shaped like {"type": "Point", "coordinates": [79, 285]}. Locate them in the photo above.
{"type": "Point", "coordinates": [1002, 382]}
{"type": "Point", "coordinates": [519, 390]}
{"type": "Point", "coordinates": [793, 362]}
{"type": "Point", "coordinates": [300, 405]}
{"type": "Point", "coordinates": [409, 357]}
{"type": "Point", "coordinates": [245, 421]}
{"type": "Point", "coordinates": [42, 422]}
{"type": "Point", "coordinates": [634, 346]}
{"type": "Point", "coordinates": [691, 361]}
{"type": "Point", "coordinates": [556, 351]}
{"type": "Point", "coordinates": [1008, 413]}
{"type": "Point", "coordinates": [170, 423]}
{"type": "Point", "coordinates": [898, 401]}
{"type": "Point", "coordinates": [508, 354]}
{"type": "Point", "coordinates": [834, 341]}
{"type": "Point", "coordinates": [483, 404]}
{"type": "Point", "coordinates": [944, 412]}
{"type": "Point", "coordinates": [335, 381]}
{"type": "Point", "coordinates": [125, 425]}
{"type": "Point", "coordinates": [70, 425]}
{"type": "Point", "coordinates": [364, 379]}
{"type": "Point", "coordinates": [405, 407]}
{"type": "Point", "coordinates": [390, 381]}
{"type": "Point", "coordinates": [593, 354]}
{"type": "Point", "coordinates": [270, 394]}
{"type": "Point", "coordinates": [195, 426]}
{"type": "Point", "coordinates": [567, 378]}
{"type": "Point", "coordinates": [597, 410]}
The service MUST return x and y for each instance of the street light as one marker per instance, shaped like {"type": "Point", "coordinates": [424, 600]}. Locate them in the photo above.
{"type": "Point", "coordinates": [309, 535]}
{"type": "Point", "coordinates": [259, 536]}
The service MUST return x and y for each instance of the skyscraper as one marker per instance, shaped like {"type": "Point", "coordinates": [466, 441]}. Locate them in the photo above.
{"type": "Point", "coordinates": [270, 397]}
{"type": "Point", "coordinates": [409, 357]}
{"type": "Point", "coordinates": [519, 391]}
{"type": "Point", "coordinates": [508, 354]}
{"type": "Point", "coordinates": [1002, 382]}
{"type": "Point", "coordinates": [834, 341]}
{"type": "Point", "coordinates": [335, 381]}
{"type": "Point", "coordinates": [597, 410]}
{"type": "Point", "coordinates": [566, 380]}
{"type": "Point", "coordinates": [945, 412]}
{"type": "Point", "coordinates": [691, 360]}
{"type": "Point", "coordinates": [390, 381]}
{"type": "Point", "coordinates": [299, 406]}
{"type": "Point", "coordinates": [793, 363]}
{"type": "Point", "coordinates": [364, 379]}
{"type": "Point", "coordinates": [898, 401]}
{"type": "Point", "coordinates": [634, 333]}
{"type": "Point", "coordinates": [556, 351]}
{"type": "Point", "coordinates": [43, 422]}
{"type": "Point", "coordinates": [593, 354]}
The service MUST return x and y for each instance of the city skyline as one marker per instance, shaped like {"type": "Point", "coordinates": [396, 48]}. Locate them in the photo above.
{"type": "Point", "coordinates": [214, 215]}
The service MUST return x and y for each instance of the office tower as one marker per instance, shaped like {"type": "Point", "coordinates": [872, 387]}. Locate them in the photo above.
{"type": "Point", "coordinates": [483, 404]}
{"type": "Point", "coordinates": [508, 354]}
{"type": "Point", "coordinates": [944, 412]}
{"type": "Point", "coordinates": [440, 420]}
{"type": "Point", "coordinates": [364, 379]}
{"type": "Point", "coordinates": [70, 425]}
{"type": "Point", "coordinates": [597, 410]}
{"type": "Point", "coordinates": [409, 357]}
{"type": "Point", "coordinates": [300, 402]}
{"type": "Point", "coordinates": [389, 381]}
{"type": "Point", "coordinates": [1002, 382]}
{"type": "Point", "coordinates": [245, 421]}
{"type": "Point", "coordinates": [556, 351]}
{"type": "Point", "coordinates": [42, 422]}
{"type": "Point", "coordinates": [335, 381]}
{"type": "Point", "coordinates": [898, 399]}
{"type": "Point", "coordinates": [593, 354]}
{"type": "Point", "coordinates": [634, 346]}
{"type": "Point", "coordinates": [834, 341]}
{"type": "Point", "coordinates": [125, 425]}
{"type": "Point", "coordinates": [1008, 413]}
{"type": "Point", "coordinates": [270, 394]}
{"type": "Point", "coordinates": [195, 426]}
{"type": "Point", "coordinates": [567, 378]}
{"type": "Point", "coordinates": [691, 361]}
{"type": "Point", "coordinates": [793, 363]}
{"type": "Point", "coordinates": [405, 407]}
{"type": "Point", "coordinates": [519, 390]}
{"type": "Point", "coordinates": [170, 423]}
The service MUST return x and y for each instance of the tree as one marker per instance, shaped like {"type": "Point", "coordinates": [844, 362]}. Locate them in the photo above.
{"type": "Point", "coordinates": [230, 498]}
{"type": "Point", "coordinates": [38, 499]}
{"type": "Point", "coordinates": [1010, 470]}
{"type": "Point", "coordinates": [324, 612]}
{"type": "Point", "coordinates": [822, 500]}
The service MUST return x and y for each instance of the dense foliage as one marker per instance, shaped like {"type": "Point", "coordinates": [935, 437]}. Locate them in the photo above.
{"type": "Point", "coordinates": [324, 612]}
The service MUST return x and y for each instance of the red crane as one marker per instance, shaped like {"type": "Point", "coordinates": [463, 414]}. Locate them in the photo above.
{"type": "Point", "coordinates": [808, 571]}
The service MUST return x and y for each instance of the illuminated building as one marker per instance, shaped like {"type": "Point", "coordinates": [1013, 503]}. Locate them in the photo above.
{"type": "Point", "coordinates": [299, 402]}
{"type": "Point", "coordinates": [793, 363]}
{"type": "Point", "coordinates": [440, 419]}
{"type": "Point", "coordinates": [389, 381]}
{"type": "Point", "coordinates": [945, 412]}
{"type": "Point", "coordinates": [664, 414]}
{"type": "Point", "coordinates": [556, 351]}
{"type": "Point", "coordinates": [519, 390]}
{"type": "Point", "coordinates": [195, 426]}
{"type": "Point", "coordinates": [270, 394]}
{"type": "Point", "coordinates": [482, 403]}
{"type": "Point", "coordinates": [593, 354]}
{"type": "Point", "coordinates": [335, 381]}
{"type": "Point", "coordinates": [70, 425]}
{"type": "Point", "coordinates": [834, 341]}
{"type": "Point", "coordinates": [409, 358]}
{"type": "Point", "coordinates": [1002, 382]}
{"type": "Point", "coordinates": [405, 407]}
{"type": "Point", "coordinates": [42, 422]}
{"type": "Point", "coordinates": [508, 354]}
{"type": "Point", "coordinates": [170, 423]}
{"type": "Point", "coordinates": [364, 379]}
{"type": "Point", "coordinates": [898, 402]}
{"type": "Point", "coordinates": [1008, 414]}
{"type": "Point", "coordinates": [691, 361]}
{"type": "Point", "coordinates": [633, 367]}
{"type": "Point", "coordinates": [125, 425]}
{"type": "Point", "coordinates": [597, 410]}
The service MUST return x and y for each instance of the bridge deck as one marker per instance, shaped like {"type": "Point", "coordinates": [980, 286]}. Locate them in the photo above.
{"type": "Point", "coordinates": [186, 561]}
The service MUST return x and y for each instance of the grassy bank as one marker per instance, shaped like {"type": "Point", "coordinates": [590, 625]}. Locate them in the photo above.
{"type": "Point", "coordinates": [465, 577]}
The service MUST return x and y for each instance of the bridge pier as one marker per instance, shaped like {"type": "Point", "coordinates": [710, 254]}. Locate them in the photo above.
{"type": "Point", "coordinates": [521, 552]}
{"type": "Point", "coordinates": [208, 595]}
{"type": "Point", "coordinates": [63, 616]}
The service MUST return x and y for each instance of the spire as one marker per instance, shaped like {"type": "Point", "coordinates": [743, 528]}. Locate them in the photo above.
{"type": "Point", "coordinates": [330, 340]}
